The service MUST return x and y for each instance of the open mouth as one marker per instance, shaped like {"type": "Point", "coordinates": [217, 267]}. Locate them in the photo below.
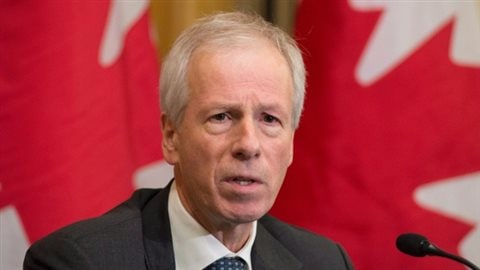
{"type": "Point", "coordinates": [242, 181]}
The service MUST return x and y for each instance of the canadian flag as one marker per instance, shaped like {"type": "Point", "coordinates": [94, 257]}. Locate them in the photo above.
{"type": "Point", "coordinates": [79, 113]}
{"type": "Point", "coordinates": [390, 137]}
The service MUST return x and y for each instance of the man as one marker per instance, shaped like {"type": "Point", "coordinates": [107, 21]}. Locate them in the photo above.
{"type": "Point", "coordinates": [232, 91]}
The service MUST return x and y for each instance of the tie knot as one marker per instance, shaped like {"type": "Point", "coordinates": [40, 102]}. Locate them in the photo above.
{"type": "Point", "coordinates": [228, 263]}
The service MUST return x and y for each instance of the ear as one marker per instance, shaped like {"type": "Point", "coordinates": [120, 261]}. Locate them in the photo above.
{"type": "Point", "coordinates": [169, 133]}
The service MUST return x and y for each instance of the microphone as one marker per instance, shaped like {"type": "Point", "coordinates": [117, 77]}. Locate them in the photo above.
{"type": "Point", "coordinates": [417, 245]}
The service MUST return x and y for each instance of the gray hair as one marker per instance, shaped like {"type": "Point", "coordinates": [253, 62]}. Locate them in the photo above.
{"type": "Point", "coordinates": [226, 30]}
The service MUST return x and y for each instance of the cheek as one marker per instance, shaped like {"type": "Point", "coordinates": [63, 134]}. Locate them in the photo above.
{"type": "Point", "coordinates": [285, 152]}
{"type": "Point", "coordinates": [190, 145]}
{"type": "Point", "coordinates": [290, 154]}
{"type": "Point", "coordinates": [197, 155]}
{"type": "Point", "coordinates": [280, 161]}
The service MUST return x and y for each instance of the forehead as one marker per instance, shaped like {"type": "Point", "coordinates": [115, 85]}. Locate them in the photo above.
{"type": "Point", "coordinates": [259, 63]}
{"type": "Point", "coordinates": [255, 77]}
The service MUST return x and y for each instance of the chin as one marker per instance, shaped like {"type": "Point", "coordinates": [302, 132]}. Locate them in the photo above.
{"type": "Point", "coordinates": [244, 219]}
{"type": "Point", "coordinates": [247, 215]}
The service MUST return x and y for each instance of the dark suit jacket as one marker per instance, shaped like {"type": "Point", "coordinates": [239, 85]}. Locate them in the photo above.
{"type": "Point", "coordinates": [136, 235]}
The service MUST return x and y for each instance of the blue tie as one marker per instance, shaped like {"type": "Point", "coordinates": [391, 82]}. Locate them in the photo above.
{"type": "Point", "coordinates": [228, 263]}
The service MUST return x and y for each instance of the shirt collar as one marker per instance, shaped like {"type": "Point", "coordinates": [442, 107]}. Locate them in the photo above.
{"type": "Point", "coordinates": [193, 246]}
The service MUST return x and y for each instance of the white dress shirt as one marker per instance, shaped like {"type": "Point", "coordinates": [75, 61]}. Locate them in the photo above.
{"type": "Point", "coordinates": [194, 247]}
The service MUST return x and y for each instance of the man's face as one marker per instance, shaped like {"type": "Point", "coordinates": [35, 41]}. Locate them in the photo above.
{"type": "Point", "coordinates": [235, 142]}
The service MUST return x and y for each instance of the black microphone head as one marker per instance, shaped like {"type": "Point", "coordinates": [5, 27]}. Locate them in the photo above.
{"type": "Point", "coordinates": [412, 244]}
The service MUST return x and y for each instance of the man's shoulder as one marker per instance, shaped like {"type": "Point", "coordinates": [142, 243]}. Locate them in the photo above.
{"type": "Point", "coordinates": [292, 234]}
{"type": "Point", "coordinates": [125, 215]}
{"type": "Point", "coordinates": [312, 250]}
{"type": "Point", "coordinates": [106, 238]}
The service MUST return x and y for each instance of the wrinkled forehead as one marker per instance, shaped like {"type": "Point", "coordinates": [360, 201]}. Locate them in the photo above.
{"type": "Point", "coordinates": [243, 73]}
{"type": "Point", "coordinates": [257, 60]}
{"type": "Point", "coordinates": [231, 49]}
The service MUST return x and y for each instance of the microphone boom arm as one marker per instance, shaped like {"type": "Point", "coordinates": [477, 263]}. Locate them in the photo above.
{"type": "Point", "coordinates": [435, 251]}
{"type": "Point", "coordinates": [417, 245]}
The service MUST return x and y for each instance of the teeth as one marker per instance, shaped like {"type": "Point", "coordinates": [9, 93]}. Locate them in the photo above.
{"type": "Point", "coordinates": [243, 181]}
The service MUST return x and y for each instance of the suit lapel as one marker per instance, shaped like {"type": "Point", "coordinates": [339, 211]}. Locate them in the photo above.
{"type": "Point", "coordinates": [268, 253]}
{"type": "Point", "coordinates": [156, 233]}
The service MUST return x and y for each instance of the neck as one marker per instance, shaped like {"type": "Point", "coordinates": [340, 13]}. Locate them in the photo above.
{"type": "Point", "coordinates": [233, 237]}
{"type": "Point", "coordinates": [232, 234]}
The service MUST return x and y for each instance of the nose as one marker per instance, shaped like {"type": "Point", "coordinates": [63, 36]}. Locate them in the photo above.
{"type": "Point", "coordinates": [246, 145]}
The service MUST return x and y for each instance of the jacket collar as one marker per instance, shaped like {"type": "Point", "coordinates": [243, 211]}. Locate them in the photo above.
{"type": "Point", "coordinates": [157, 236]}
{"type": "Point", "coordinates": [268, 253]}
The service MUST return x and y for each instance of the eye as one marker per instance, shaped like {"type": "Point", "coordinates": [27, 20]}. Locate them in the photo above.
{"type": "Point", "coordinates": [219, 123]}
{"type": "Point", "coordinates": [270, 118]}
{"type": "Point", "coordinates": [219, 117]}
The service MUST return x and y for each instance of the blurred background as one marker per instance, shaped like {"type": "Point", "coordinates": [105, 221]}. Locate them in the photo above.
{"type": "Point", "coordinates": [180, 14]}
{"type": "Point", "coordinates": [389, 141]}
